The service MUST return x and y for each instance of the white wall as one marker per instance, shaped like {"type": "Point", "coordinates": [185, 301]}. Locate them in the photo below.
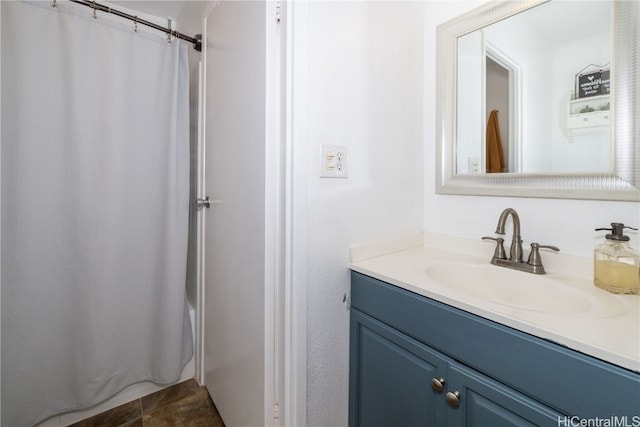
{"type": "Point", "coordinates": [358, 83]}
{"type": "Point", "coordinates": [586, 150]}
{"type": "Point", "coordinates": [568, 224]}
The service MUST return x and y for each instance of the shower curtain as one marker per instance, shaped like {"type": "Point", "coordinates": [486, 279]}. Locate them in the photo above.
{"type": "Point", "coordinates": [94, 208]}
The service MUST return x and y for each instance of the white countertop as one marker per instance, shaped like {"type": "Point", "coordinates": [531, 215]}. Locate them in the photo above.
{"type": "Point", "coordinates": [611, 337]}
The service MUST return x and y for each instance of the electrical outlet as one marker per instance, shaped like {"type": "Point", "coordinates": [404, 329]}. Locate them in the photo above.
{"type": "Point", "coordinates": [333, 161]}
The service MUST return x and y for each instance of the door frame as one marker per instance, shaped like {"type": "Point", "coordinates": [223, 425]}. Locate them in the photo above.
{"type": "Point", "coordinates": [294, 27]}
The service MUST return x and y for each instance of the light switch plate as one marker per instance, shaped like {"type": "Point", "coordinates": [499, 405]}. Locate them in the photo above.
{"type": "Point", "coordinates": [333, 161]}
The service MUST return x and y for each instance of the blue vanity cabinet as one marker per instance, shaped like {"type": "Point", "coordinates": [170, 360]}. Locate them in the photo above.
{"type": "Point", "coordinates": [493, 375]}
{"type": "Point", "coordinates": [395, 381]}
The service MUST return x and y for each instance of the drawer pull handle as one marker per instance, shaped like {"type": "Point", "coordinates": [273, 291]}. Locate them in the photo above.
{"type": "Point", "coordinates": [437, 384]}
{"type": "Point", "coordinates": [453, 397]}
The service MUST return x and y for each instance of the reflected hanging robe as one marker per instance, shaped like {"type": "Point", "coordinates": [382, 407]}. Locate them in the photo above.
{"type": "Point", "coordinates": [494, 153]}
{"type": "Point", "coordinates": [95, 198]}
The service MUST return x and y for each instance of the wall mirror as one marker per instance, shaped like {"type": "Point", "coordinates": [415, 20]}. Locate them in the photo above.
{"type": "Point", "coordinates": [539, 98]}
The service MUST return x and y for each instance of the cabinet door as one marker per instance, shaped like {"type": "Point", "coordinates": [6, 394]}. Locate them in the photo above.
{"type": "Point", "coordinates": [485, 402]}
{"type": "Point", "coordinates": [390, 377]}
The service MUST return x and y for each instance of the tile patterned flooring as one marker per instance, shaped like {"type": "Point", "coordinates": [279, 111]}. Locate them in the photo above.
{"type": "Point", "coordinates": [182, 405]}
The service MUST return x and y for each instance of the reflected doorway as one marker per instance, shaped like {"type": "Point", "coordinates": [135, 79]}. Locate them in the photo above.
{"type": "Point", "coordinates": [501, 95]}
{"type": "Point", "coordinates": [497, 100]}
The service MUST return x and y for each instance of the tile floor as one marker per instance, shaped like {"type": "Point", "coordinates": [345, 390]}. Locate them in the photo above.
{"type": "Point", "coordinates": [182, 405]}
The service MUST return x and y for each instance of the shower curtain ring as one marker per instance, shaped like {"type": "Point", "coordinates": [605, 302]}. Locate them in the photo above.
{"type": "Point", "coordinates": [54, 3]}
{"type": "Point", "coordinates": [94, 10]}
{"type": "Point", "coordinates": [135, 23]}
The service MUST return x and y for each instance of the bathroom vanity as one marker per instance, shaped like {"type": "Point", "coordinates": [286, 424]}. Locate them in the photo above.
{"type": "Point", "coordinates": [424, 353]}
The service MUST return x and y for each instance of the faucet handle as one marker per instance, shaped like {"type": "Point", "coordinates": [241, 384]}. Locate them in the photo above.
{"type": "Point", "coordinates": [499, 252]}
{"type": "Point", "coordinates": [534, 256]}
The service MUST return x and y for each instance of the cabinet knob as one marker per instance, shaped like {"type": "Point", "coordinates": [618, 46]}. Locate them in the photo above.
{"type": "Point", "coordinates": [437, 384]}
{"type": "Point", "coordinates": [453, 397]}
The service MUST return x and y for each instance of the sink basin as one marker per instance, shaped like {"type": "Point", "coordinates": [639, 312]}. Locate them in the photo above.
{"type": "Point", "coordinates": [549, 293]}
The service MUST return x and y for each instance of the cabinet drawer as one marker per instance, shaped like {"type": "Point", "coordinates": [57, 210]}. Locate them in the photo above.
{"type": "Point", "coordinates": [566, 380]}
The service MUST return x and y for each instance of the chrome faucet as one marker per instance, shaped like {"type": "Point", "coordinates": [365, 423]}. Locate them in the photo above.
{"type": "Point", "coordinates": [515, 260]}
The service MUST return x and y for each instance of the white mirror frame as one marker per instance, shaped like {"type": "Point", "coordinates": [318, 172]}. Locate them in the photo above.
{"type": "Point", "coordinates": [622, 184]}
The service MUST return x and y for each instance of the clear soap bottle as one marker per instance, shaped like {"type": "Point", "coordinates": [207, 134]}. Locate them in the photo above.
{"type": "Point", "coordinates": [616, 264]}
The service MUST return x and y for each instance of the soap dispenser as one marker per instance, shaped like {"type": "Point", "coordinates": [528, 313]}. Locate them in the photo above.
{"type": "Point", "coordinates": [616, 264]}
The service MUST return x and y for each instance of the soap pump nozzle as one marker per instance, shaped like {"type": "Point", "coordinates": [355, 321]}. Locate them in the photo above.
{"type": "Point", "coordinates": [617, 230]}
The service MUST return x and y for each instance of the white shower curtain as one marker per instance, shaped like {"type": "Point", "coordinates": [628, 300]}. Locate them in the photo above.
{"type": "Point", "coordinates": [95, 177]}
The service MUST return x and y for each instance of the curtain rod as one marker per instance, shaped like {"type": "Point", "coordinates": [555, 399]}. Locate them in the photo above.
{"type": "Point", "coordinates": [197, 40]}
